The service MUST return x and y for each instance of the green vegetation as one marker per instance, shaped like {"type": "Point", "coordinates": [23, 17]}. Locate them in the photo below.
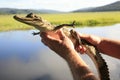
{"type": "Point", "coordinates": [82, 19]}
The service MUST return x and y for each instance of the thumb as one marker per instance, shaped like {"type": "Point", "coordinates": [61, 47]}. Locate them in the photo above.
{"type": "Point", "coordinates": [84, 36]}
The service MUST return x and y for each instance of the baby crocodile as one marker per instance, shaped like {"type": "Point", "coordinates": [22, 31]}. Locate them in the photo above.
{"type": "Point", "coordinates": [92, 52]}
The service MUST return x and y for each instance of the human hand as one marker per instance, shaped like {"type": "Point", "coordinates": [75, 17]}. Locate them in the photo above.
{"type": "Point", "coordinates": [94, 40]}
{"type": "Point", "coordinates": [58, 42]}
{"type": "Point", "coordinates": [63, 46]}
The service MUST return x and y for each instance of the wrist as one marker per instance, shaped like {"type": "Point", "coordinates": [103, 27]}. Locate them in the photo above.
{"type": "Point", "coordinates": [70, 54]}
{"type": "Point", "coordinates": [100, 44]}
{"type": "Point", "coordinates": [74, 59]}
{"type": "Point", "coordinates": [79, 68]}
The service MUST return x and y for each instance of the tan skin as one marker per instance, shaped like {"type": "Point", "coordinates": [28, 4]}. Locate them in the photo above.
{"type": "Point", "coordinates": [62, 45]}
{"type": "Point", "coordinates": [107, 46]}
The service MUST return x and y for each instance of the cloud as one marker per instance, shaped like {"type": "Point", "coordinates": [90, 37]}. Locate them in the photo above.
{"type": "Point", "coordinates": [62, 5]}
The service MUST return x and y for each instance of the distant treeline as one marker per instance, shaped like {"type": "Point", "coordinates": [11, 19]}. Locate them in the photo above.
{"type": "Point", "coordinates": [16, 11]}
{"type": "Point", "coordinates": [24, 11]}
{"type": "Point", "coordinates": [110, 7]}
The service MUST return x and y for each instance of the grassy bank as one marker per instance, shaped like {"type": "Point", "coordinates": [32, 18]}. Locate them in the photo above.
{"type": "Point", "coordinates": [82, 19]}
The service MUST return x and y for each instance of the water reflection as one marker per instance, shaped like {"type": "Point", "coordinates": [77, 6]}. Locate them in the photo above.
{"type": "Point", "coordinates": [18, 43]}
{"type": "Point", "coordinates": [24, 57]}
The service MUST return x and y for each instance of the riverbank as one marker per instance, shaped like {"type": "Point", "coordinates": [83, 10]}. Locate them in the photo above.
{"type": "Point", "coordinates": [82, 19]}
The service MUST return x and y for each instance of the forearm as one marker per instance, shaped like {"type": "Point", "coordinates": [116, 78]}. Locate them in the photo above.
{"type": "Point", "coordinates": [79, 68]}
{"type": "Point", "coordinates": [110, 47]}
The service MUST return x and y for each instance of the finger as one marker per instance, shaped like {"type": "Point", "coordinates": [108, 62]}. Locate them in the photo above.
{"type": "Point", "coordinates": [78, 48]}
{"type": "Point", "coordinates": [49, 44]}
{"type": "Point", "coordinates": [43, 34]}
{"type": "Point", "coordinates": [84, 36]}
{"type": "Point", "coordinates": [81, 49]}
{"type": "Point", "coordinates": [61, 34]}
{"type": "Point", "coordinates": [44, 42]}
{"type": "Point", "coordinates": [52, 39]}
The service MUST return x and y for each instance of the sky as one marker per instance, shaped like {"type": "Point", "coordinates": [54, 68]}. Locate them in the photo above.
{"type": "Point", "coordinates": [60, 5]}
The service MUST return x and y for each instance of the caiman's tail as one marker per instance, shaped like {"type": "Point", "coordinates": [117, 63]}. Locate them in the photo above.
{"type": "Point", "coordinates": [103, 69]}
{"type": "Point", "coordinates": [99, 62]}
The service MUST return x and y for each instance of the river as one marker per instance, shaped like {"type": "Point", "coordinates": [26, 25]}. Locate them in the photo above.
{"type": "Point", "coordinates": [24, 57]}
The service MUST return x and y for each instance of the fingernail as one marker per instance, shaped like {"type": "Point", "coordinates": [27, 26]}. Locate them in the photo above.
{"type": "Point", "coordinates": [80, 47]}
{"type": "Point", "coordinates": [84, 49]}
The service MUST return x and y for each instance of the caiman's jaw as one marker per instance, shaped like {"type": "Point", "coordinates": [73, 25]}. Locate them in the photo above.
{"type": "Point", "coordinates": [35, 21]}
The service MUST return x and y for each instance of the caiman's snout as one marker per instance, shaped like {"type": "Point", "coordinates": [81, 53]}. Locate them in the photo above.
{"type": "Point", "coordinates": [32, 20]}
{"type": "Point", "coordinates": [15, 16]}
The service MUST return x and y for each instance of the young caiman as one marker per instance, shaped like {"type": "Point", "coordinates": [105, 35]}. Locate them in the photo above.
{"type": "Point", "coordinates": [92, 52]}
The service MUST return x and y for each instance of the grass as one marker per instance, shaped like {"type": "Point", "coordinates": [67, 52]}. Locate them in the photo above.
{"type": "Point", "coordinates": [82, 19]}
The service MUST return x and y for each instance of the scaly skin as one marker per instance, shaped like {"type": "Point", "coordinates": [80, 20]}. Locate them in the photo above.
{"type": "Point", "coordinates": [92, 52]}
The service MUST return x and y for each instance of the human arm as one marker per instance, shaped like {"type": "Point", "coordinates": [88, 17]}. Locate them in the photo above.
{"type": "Point", "coordinates": [104, 45]}
{"type": "Point", "coordinates": [63, 46]}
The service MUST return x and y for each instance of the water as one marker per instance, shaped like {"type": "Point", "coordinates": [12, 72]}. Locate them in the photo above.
{"type": "Point", "coordinates": [24, 57]}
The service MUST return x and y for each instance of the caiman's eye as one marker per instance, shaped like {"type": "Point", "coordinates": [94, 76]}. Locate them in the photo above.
{"type": "Point", "coordinates": [30, 15]}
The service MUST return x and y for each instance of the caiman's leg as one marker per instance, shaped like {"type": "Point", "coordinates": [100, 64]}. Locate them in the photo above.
{"type": "Point", "coordinates": [62, 25]}
{"type": "Point", "coordinates": [35, 33]}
